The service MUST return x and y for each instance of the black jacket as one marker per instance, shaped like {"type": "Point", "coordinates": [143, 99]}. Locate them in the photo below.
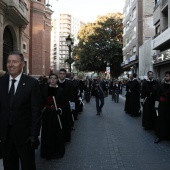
{"type": "Point", "coordinates": [25, 109]}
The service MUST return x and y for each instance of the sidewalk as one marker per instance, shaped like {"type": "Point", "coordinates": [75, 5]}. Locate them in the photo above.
{"type": "Point", "coordinates": [111, 141]}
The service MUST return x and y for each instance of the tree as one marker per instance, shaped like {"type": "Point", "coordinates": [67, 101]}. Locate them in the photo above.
{"type": "Point", "coordinates": [100, 43]}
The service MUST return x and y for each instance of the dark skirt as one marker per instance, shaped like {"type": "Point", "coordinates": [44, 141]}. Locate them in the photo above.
{"type": "Point", "coordinates": [149, 114]}
{"type": "Point", "coordinates": [127, 103]}
{"type": "Point", "coordinates": [163, 119]}
{"type": "Point", "coordinates": [52, 139]}
{"type": "Point", "coordinates": [134, 101]}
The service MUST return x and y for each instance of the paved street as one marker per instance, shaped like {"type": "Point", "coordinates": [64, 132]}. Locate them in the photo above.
{"type": "Point", "coordinates": [111, 141]}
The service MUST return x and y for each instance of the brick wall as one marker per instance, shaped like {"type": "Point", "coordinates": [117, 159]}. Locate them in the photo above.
{"type": "Point", "coordinates": [40, 40]}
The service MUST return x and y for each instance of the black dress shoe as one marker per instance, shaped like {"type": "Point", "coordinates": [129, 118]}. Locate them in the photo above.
{"type": "Point", "coordinates": [157, 140]}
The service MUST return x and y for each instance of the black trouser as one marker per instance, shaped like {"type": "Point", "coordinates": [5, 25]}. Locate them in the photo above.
{"type": "Point", "coordinates": [12, 153]}
{"type": "Point", "coordinates": [99, 103]}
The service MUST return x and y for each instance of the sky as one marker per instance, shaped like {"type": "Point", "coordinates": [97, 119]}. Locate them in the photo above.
{"type": "Point", "coordinates": [87, 10]}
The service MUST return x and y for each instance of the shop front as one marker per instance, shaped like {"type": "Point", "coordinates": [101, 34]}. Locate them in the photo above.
{"type": "Point", "coordinates": [161, 63]}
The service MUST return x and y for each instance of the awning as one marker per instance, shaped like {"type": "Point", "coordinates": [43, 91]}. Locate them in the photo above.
{"type": "Point", "coordinates": [161, 63]}
{"type": "Point", "coordinates": [131, 64]}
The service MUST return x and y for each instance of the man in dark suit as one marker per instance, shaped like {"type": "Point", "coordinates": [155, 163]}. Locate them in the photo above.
{"type": "Point", "coordinates": [20, 105]}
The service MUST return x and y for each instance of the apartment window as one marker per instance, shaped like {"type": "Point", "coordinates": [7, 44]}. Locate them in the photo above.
{"type": "Point", "coordinates": [127, 24]}
{"type": "Point", "coordinates": [157, 29]}
{"type": "Point", "coordinates": [133, 13]}
{"type": "Point", "coordinates": [134, 33]}
{"type": "Point", "coordinates": [130, 52]}
{"type": "Point", "coordinates": [127, 41]}
{"type": "Point", "coordinates": [157, 2]}
{"type": "Point", "coordinates": [24, 47]}
{"type": "Point", "coordinates": [127, 9]}
{"type": "Point", "coordinates": [134, 50]}
{"type": "Point", "coordinates": [61, 61]}
{"type": "Point", "coordinates": [127, 55]}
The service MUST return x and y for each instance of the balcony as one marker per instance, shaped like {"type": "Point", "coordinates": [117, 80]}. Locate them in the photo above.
{"type": "Point", "coordinates": [156, 5]}
{"type": "Point", "coordinates": [161, 42]}
{"type": "Point", "coordinates": [132, 58]}
{"type": "Point", "coordinates": [165, 28]}
{"type": "Point", "coordinates": [127, 61]}
{"type": "Point", "coordinates": [17, 11]}
{"type": "Point", "coordinates": [164, 3]}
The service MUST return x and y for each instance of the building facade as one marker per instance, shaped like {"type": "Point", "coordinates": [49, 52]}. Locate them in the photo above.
{"type": "Point", "coordinates": [161, 40]}
{"type": "Point", "coordinates": [63, 25]}
{"type": "Point", "coordinates": [137, 28]}
{"type": "Point", "coordinates": [25, 25]}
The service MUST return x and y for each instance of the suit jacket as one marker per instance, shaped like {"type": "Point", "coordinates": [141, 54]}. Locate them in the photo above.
{"type": "Point", "coordinates": [25, 109]}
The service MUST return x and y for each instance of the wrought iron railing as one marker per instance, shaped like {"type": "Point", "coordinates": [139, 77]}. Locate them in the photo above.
{"type": "Point", "coordinates": [165, 28]}
{"type": "Point", "coordinates": [156, 35]}
{"type": "Point", "coordinates": [164, 2]}
{"type": "Point", "coordinates": [156, 5]}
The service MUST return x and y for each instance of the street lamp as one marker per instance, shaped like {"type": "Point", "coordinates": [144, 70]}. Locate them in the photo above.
{"type": "Point", "coordinates": [69, 43]}
{"type": "Point", "coordinates": [48, 4]}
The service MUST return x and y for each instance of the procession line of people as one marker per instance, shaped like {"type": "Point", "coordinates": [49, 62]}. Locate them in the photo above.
{"type": "Point", "coordinates": [35, 112]}
{"type": "Point", "coordinates": [151, 99]}
{"type": "Point", "coordinates": [61, 103]}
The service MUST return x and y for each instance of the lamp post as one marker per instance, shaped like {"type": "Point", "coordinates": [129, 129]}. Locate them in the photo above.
{"type": "Point", "coordinates": [48, 4]}
{"type": "Point", "coordinates": [69, 43]}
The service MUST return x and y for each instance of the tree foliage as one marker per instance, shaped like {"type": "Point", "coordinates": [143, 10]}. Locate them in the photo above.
{"type": "Point", "coordinates": [100, 43]}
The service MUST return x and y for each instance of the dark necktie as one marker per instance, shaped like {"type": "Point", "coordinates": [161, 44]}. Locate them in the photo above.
{"type": "Point", "coordinates": [11, 98]}
{"type": "Point", "coordinates": [12, 92]}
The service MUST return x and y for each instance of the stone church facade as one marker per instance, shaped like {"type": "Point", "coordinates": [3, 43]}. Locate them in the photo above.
{"type": "Point", "coordinates": [25, 25]}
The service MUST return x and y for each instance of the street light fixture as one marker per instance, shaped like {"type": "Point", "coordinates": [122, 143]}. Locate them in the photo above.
{"type": "Point", "coordinates": [69, 43]}
{"type": "Point", "coordinates": [48, 4]}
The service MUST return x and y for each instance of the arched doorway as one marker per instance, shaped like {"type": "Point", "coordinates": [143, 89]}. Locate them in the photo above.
{"type": "Point", "coordinates": [7, 46]}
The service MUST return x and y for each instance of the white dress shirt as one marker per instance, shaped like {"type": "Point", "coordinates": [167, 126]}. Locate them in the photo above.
{"type": "Point", "coordinates": [16, 83]}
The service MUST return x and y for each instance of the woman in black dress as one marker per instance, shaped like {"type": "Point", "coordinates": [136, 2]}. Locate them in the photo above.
{"type": "Point", "coordinates": [52, 141]}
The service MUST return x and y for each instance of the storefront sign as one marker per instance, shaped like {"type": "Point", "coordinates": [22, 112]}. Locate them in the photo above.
{"type": "Point", "coordinates": [163, 56]}
{"type": "Point", "coordinates": [133, 58]}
